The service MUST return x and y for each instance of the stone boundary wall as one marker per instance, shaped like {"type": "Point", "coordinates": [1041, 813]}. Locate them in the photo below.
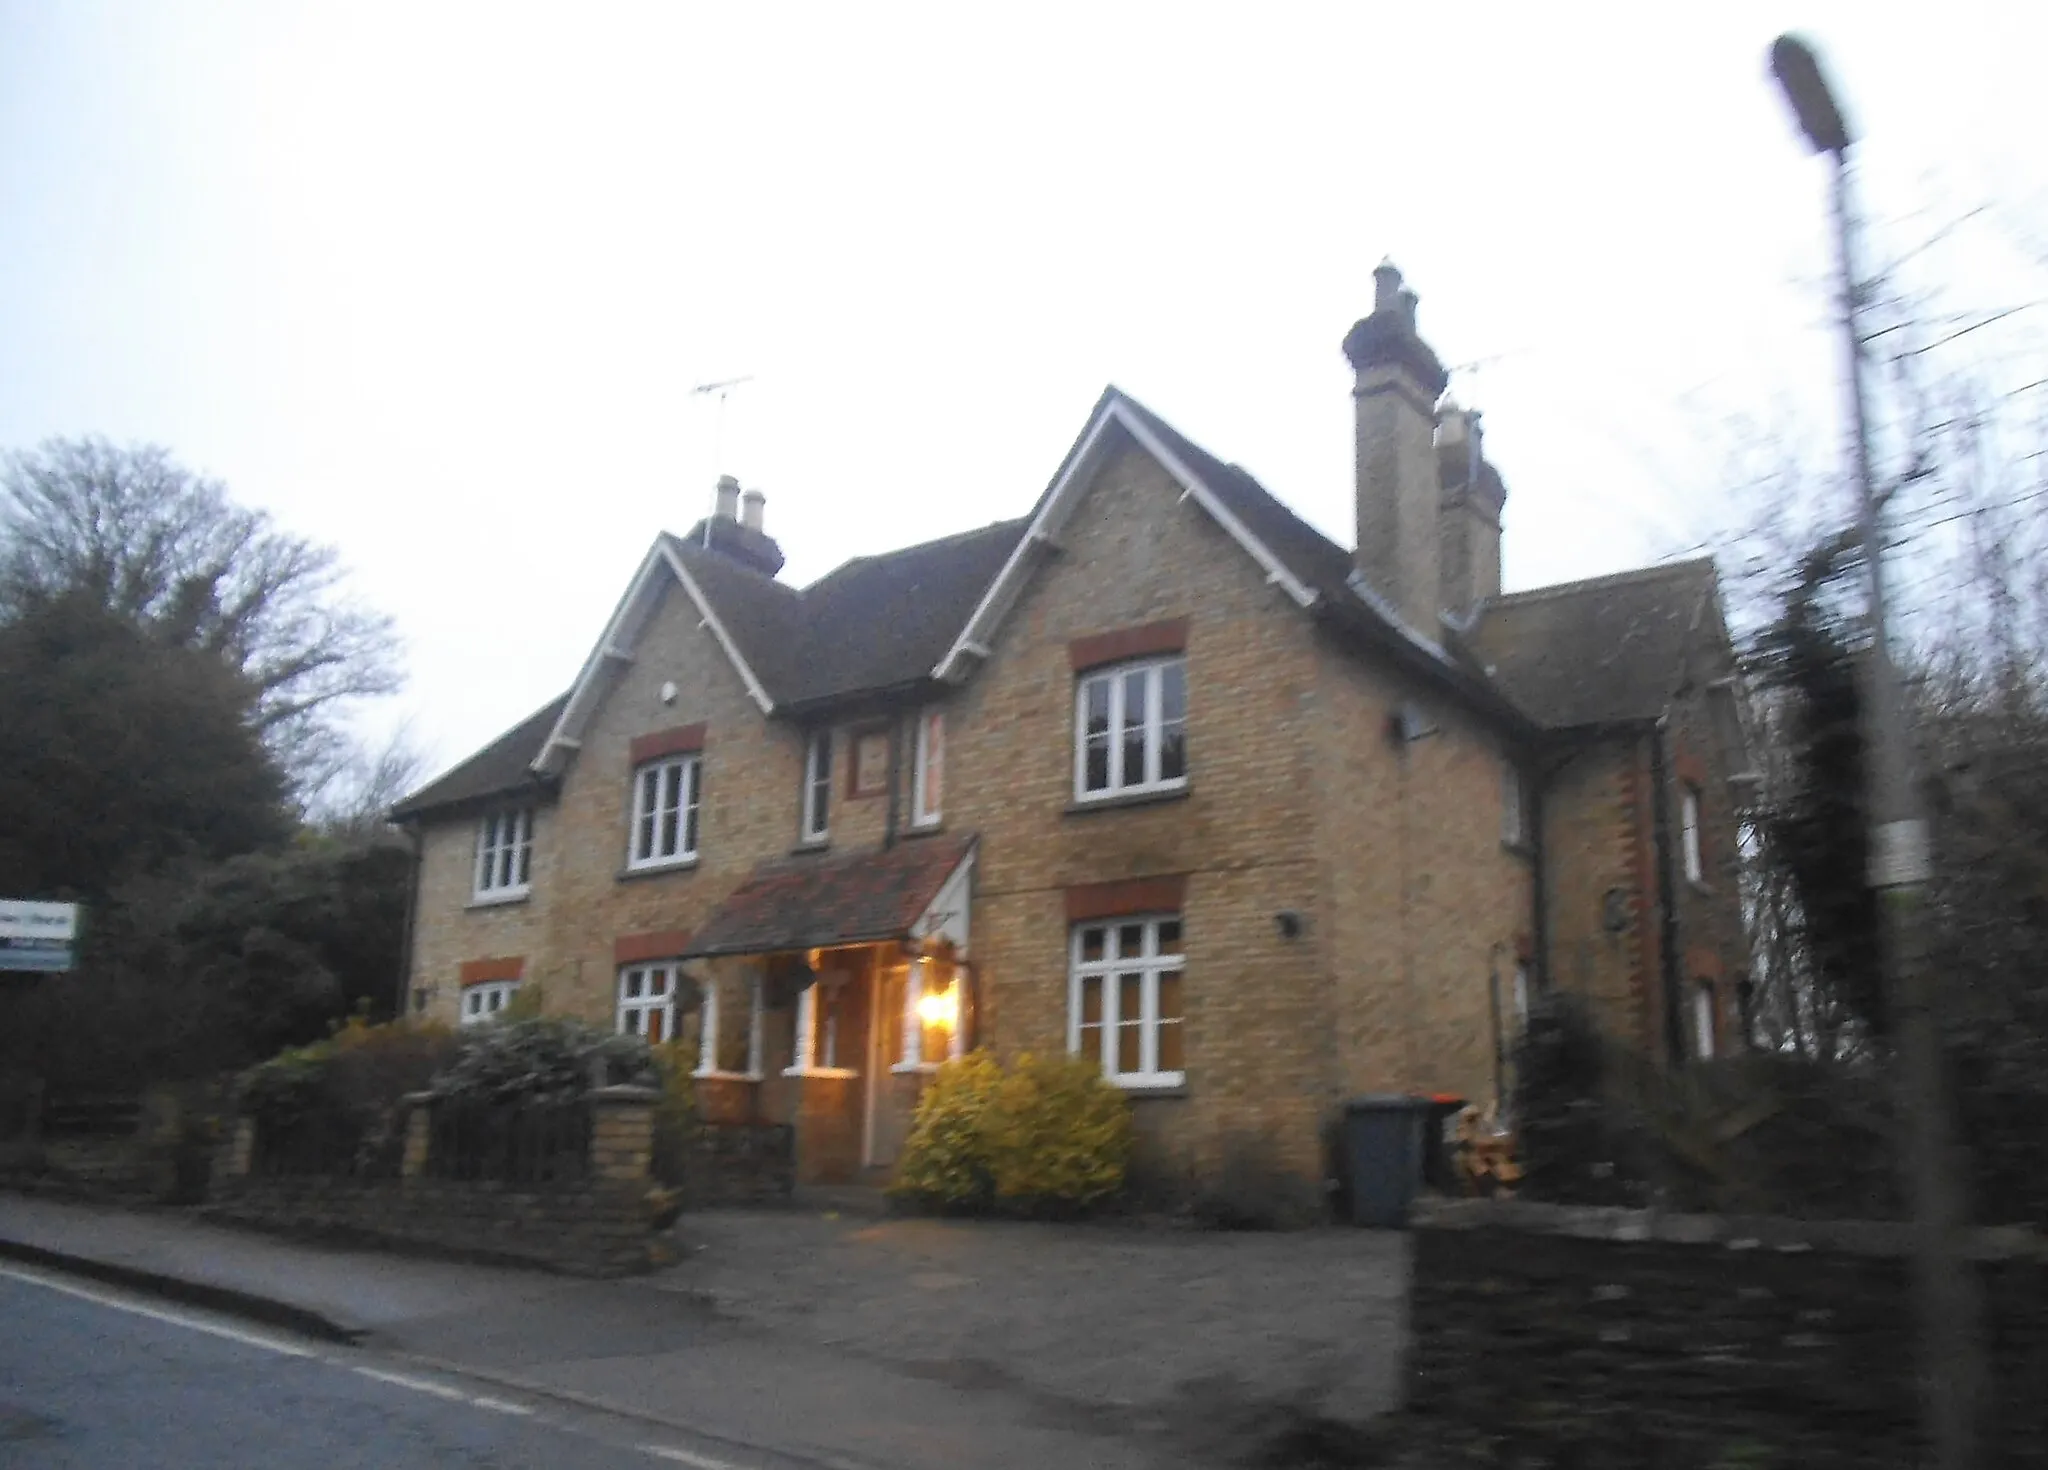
{"type": "Point", "coordinates": [735, 1164]}
{"type": "Point", "coordinates": [601, 1228]}
{"type": "Point", "coordinates": [1554, 1335]}
{"type": "Point", "coordinates": [601, 1225]}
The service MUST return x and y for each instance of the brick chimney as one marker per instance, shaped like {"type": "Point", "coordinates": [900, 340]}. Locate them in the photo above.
{"type": "Point", "coordinates": [1468, 524]}
{"type": "Point", "coordinates": [734, 529]}
{"type": "Point", "coordinates": [1398, 380]}
{"type": "Point", "coordinates": [726, 503]}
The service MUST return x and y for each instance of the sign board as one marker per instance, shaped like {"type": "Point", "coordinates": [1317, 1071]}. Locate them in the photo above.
{"type": "Point", "coordinates": [37, 936]}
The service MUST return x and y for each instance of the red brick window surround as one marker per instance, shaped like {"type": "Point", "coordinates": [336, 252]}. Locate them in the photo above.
{"type": "Point", "coordinates": [1125, 896]}
{"type": "Point", "coordinates": [676, 740]}
{"type": "Point", "coordinates": [649, 944]}
{"type": "Point", "coordinates": [488, 986]}
{"type": "Point", "coordinates": [1119, 645]}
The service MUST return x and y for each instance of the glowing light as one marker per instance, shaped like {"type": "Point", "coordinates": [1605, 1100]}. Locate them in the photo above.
{"type": "Point", "coordinates": [941, 1008]}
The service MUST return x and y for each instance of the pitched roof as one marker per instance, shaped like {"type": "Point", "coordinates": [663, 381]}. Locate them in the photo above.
{"type": "Point", "coordinates": [844, 898]}
{"type": "Point", "coordinates": [503, 765]}
{"type": "Point", "coordinates": [1603, 651]}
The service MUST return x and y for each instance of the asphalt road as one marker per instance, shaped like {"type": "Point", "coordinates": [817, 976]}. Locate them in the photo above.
{"type": "Point", "coordinates": [94, 1379]}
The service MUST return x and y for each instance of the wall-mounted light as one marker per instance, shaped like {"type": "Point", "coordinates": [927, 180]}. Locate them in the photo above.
{"type": "Point", "coordinates": [1289, 924]}
{"type": "Point", "coordinates": [1614, 910]}
{"type": "Point", "coordinates": [940, 1007]}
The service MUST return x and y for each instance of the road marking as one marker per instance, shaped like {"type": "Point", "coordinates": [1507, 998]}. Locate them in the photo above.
{"type": "Point", "coordinates": [502, 1406]}
{"type": "Point", "coordinates": [418, 1385]}
{"type": "Point", "coordinates": [160, 1314]}
{"type": "Point", "coordinates": [685, 1457]}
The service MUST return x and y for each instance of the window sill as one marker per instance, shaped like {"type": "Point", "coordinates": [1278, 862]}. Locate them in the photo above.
{"type": "Point", "coordinates": [924, 829]}
{"type": "Point", "coordinates": [840, 1073]}
{"type": "Point", "coordinates": [1176, 1087]}
{"type": "Point", "coordinates": [655, 870]}
{"type": "Point", "coordinates": [913, 1069]}
{"type": "Point", "coordinates": [1123, 799]}
{"type": "Point", "coordinates": [811, 844]}
{"type": "Point", "coordinates": [498, 900]}
{"type": "Point", "coordinates": [1700, 886]}
{"type": "Point", "coordinates": [1521, 847]}
{"type": "Point", "coordinates": [716, 1076]}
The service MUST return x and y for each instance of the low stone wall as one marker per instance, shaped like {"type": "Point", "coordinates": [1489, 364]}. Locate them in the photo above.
{"type": "Point", "coordinates": [602, 1224]}
{"type": "Point", "coordinates": [603, 1228]}
{"type": "Point", "coordinates": [1550, 1335]}
{"type": "Point", "coordinates": [734, 1164]}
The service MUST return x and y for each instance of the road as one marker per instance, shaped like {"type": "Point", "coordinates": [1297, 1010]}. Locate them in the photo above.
{"type": "Point", "coordinates": [94, 1379]}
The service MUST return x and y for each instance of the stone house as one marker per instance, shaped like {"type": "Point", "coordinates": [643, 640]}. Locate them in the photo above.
{"type": "Point", "coordinates": [1156, 773]}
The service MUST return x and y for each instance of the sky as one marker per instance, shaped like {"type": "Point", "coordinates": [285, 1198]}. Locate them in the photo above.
{"type": "Point", "coordinates": [434, 282]}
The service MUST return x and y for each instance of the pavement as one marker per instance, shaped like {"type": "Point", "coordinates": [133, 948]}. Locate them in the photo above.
{"type": "Point", "coordinates": [829, 1334]}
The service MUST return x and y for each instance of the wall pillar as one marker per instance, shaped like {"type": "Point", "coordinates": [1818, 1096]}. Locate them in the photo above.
{"type": "Point", "coordinates": [622, 1133]}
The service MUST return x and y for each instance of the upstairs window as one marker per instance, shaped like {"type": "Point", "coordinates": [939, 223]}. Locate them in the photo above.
{"type": "Point", "coordinates": [928, 785]}
{"type": "Point", "coordinates": [818, 787]}
{"type": "Point", "coordinates": [1703, 1021]}
{"type": "Point", "coordinates": [1130, 729]}
{"type": "Point", "coordinates": [504, 854]}
{"type": "Point", "coordinates": [665, 801]}
{"type": "Point", "coordinates": [1124, 1000]}
{"type": "Point", "coordinates": [1689, 829]}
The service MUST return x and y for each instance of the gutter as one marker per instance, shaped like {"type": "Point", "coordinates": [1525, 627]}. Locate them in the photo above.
{"type": "Point", "coordinates": [416, 844]}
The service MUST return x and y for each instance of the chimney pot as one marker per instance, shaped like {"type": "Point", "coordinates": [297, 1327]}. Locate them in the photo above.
{"type": "Point", "coordinates": [1386, 286]}
{"type": "Point", "coordinates": [751, 504]}
{"type": "Point", "coordinates": [1407, 300]}
{"type": "Point", "coordinates": [727, 504]}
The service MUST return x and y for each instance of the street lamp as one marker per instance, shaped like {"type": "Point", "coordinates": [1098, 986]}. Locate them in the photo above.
{"type": "Point", "coordinates": [1951, 1342]}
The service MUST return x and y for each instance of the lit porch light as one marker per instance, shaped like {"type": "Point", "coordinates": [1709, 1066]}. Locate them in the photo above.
{"type": "Point", "coordinates": [940, 1008]}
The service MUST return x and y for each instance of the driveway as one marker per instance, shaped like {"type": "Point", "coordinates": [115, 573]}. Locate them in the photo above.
{"type": "Point", "coordinates": [1134, 1323]}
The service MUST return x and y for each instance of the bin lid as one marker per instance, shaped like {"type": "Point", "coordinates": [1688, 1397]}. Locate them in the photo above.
{"type": "Point", "coordinates": [1389, 1102]}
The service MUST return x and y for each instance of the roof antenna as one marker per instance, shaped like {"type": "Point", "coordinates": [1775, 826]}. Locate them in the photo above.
{"type": "Point", "coordinates": [723, 388]}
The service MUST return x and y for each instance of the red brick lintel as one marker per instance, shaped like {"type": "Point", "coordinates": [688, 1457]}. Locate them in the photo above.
{"type": "Point", "coordinates": [505, 967]}
{"type": "Point", "coordinates": [1097, 649]}
{"type": "Point", "coordinates": [1087, 901]}
{"type": "Point", "coordinates": [1690, 769]}
{"type": "Point", "coordinates": [1702, 963]}
{"type": "Point", "coordinates": [679, 740]}
{"type": "Point", "coordinates": [651, 944]}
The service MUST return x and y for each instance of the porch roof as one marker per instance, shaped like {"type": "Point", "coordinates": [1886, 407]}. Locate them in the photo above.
{"type": "Point", "coordinates": [816, 901]}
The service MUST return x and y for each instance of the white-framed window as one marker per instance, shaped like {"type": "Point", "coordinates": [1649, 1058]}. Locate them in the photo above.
{"type": "Point", "coordinates": [928, 782]}
{"type": "Point", "coordinates": [818, 786]}
{"type": "Point", "coordinates": [1689, 832]}
{"type": "Point", "coordinates": [1522, 997]}
{"type": "Point", "coordinates": [1703, 1026]}
{"type": "Point", "coordinates": [1130, 729]}
{"type": "Point", "coordinates": [1124, 999]}
{"type": "Point", "coordinates": [647, 1001]}
{"type": "Point", "coordinates": [504, 853]}
{"type": "Point", "coordinates": [484, 1000]}
{"type": "Point", "coordinates": [708, 1035]}
{"type": "Point", "coordinates": [1514, 805]}
{"type": "Point", "coordinates": [821, 1007]}
{"type": "Point", "coordinates": [665, 800]}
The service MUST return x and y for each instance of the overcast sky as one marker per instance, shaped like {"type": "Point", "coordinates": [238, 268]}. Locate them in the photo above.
{"type": "Point", "coordinates": [433, 283]}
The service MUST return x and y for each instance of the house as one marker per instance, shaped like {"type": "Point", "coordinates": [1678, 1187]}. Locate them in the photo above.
{"type": "Point", "coordinates": [1156, 773]}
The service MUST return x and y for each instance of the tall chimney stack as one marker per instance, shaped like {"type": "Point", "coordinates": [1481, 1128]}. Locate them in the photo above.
{"type": "Point", "coordinates": [1397, 381]}
{"type": "Point", "coordinates": [1469, 524]}
{"type": "Point", "coordinates": [726, 505]}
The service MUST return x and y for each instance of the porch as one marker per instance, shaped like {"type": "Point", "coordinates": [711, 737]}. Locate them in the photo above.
{"type": "Point", "coordinates": [828, 991]}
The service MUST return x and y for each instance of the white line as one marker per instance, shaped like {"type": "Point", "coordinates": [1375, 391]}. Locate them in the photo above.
{"type": "Point", "coordinates": [159, 1314]}
{"type": "Point", "coordinates": [502, 1406]}
{"type": "Point", "coordinates": [419, 1385]}
{"type": "Point", "coordinates": [685, 1457]}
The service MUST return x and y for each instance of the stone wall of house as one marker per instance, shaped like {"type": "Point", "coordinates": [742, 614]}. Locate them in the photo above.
{"type": "Point", "coordinates": [1711, 950]}
{"type": "Point", "coordinates": [1431, 910]}
{"type": "Point", "coordinates": [1593, 831]}
{"type": "Point", "coordinates": [1241, 836]}
{"type": "Point", "coordinates": [1621, 1338]}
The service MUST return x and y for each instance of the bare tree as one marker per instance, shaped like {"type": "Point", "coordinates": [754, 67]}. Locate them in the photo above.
{"type": "Point", "coordinates": [141, 536]}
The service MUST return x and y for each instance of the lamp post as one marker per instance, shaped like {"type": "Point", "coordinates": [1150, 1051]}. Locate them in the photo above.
{"type": "Point", "coordinates": [1945, 1286]}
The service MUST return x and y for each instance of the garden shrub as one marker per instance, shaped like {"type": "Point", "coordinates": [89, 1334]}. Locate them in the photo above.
{"type": "Point", "coordinates": [350, 1087]}
{"type": "Point", "coordinates": [1045, 1135]}
{"type": "Point", "coordinates": [543, 1060]}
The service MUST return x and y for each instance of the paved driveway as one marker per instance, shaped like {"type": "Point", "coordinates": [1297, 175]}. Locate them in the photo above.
{"type": "Point", "coordinates": [1118, 1320]}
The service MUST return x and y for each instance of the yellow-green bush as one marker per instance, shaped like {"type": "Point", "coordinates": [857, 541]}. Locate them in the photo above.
{"type": "Point", "coordinates": [1045, 1135]}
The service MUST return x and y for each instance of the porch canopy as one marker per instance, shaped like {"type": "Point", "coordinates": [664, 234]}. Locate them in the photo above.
{"type": "Point", "coordinates": [915, 891]}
